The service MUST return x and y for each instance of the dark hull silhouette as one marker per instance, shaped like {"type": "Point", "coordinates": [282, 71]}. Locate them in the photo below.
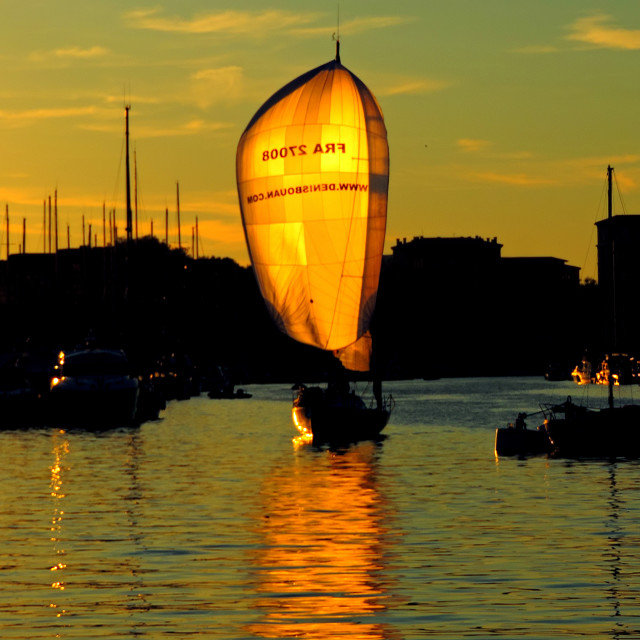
{"type": "Point", "coordinates": [573, 431]}
{"type": "Point", "coordinates": [586, 433]}
{"type": "Point", "coordinates": [326, 418]}
{"type": "Point", "coordinates": [512, 441]}
{"type": "Point", "coordinates": [93, 391]}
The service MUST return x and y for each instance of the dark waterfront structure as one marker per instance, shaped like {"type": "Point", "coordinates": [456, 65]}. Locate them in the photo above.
{"type": "Point", "coordinates": [538, 275]}
{"type": "Point", "coordinates": [157, 303]}
{"type": "Point", "coordinates": [450, 257]}
{"type": "Point", "coordinates": [446, 307]}
{"type": "Point", "coordinates": [618, 275]}
{"type": "Point", "coordinates": [454, 306]}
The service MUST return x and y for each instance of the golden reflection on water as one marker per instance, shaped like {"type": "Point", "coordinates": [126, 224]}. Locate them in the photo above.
{"type": "Point", "coordinates": [58, 469]}
{"type": "Point", "coordinates": [320, 566]}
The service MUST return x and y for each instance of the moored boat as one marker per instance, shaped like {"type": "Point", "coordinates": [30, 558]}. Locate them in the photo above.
{"type": "Point", "coordinates": [517, 440]}
{"type": "Point", "coordinates": [617, 369]}
{"type": "Point", "coordinates": [575, 431]}
{"type": "Point", "coordinates": [312, 172]}
{"type": "Point", "coordinates": [582, 373]}
{"type": "Point", "coordinates": [338, 415]}
{"type": "Point", "coordinates": [93, 389]}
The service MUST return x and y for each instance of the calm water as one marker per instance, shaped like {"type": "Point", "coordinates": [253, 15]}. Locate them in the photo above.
{"type": "Point", "coordinates": [212, 523]}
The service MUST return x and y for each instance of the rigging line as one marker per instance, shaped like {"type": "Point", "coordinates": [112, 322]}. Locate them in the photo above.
{"type": "Point", "coordinates": [624, 210]}
{"type": "Point", "coordinates": [598, 209]}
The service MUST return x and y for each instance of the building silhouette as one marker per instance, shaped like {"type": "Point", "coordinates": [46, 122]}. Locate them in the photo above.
{"type": "Point", "coordinates": [455, 306]}
{"type": "Point", "coordinates": [446, 307]}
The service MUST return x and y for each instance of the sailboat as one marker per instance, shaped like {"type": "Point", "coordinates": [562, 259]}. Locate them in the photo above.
{"type": "Point", "coordinates": [575, 431]}
{"type": "Point", "coordinates": [312, 172]}
{"type": "Point", "coordinates": [93, 388]}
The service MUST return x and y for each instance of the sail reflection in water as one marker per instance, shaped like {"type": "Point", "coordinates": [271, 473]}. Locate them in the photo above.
{"type": "Point", "coordinates": [321, 564]}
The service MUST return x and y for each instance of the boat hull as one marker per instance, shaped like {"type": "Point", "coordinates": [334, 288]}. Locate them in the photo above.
{"type": "Point", "coordinates": [608, 433]}
{"type": "Point", "coordinates": [339, 424]}
{"type": "Point", "coordinates": [94, 403]}
{"type": "Point", "coordinates": [511, 441]}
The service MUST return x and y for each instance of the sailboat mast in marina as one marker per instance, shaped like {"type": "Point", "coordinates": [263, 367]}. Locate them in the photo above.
{"type": "Point", "coordinates": [614, 336]}
{"type": "Point", "coordinates": [129, 228]}
{"type": "Point", "coordinates": [312, 173]}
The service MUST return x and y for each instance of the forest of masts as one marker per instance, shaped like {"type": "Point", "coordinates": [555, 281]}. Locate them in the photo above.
{"type": "Point", "coordinates": [90, 236]}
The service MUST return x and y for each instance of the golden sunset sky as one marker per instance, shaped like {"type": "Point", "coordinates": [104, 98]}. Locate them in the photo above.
{"type": "Point", "coordinates": [502, 115]}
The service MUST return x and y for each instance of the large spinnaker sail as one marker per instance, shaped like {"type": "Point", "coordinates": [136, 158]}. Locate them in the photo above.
{"type": "Point", "coordinates": [313, 172]}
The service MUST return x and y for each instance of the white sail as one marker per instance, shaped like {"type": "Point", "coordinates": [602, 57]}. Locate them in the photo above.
{"type": "Point", "coordinates": [312, 173]}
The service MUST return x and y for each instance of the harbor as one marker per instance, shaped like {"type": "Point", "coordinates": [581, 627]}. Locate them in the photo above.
{"type": "Point", "coordinates": [212, 523]}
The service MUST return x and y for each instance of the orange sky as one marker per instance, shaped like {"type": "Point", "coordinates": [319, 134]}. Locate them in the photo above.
{"type": "Point", "coordinates": [502, 116]}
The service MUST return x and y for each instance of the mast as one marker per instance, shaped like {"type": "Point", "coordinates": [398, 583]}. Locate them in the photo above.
{"type": "Point", "coordinates": [178, 209]}
{"type": "Point", "coordinates": [609, 192]}
{"type": "Point", "coordinates": [338, 36]}
{"type": "Point", "coordinates": [613, 278]}
{"type": "Point", "coordinates": [55, 214]}
{"type": "Point", "coordinates": [135, 186]}
{"type": "Point", "coordinates": [49, 224]}
{"type": "Point", "coordinates": [129, 214]}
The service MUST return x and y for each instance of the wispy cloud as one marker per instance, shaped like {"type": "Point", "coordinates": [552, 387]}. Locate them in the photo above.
{"type": "Point", "coordinates": [593, 32]}
{"type": "Point", "coordinates": [357, 25]}
{"type": "Point", "coordinates": [27, 116]}
{"type": "Point", "coordinates": [563, 172]}
{"type": "Point", "coordinates": [78, 52]}
{"type": "Point", "coordinates": [414, 86]}
{"type": "Point", "coordinates": [472, 144]}
{"type": "Point", "coordinates": [587, 170]}
{"type": "Point", "coordinates": [227, 22]}
{"type": "Point", "coordinates": [516, 179]}
{"type": "Point", "coordinates": [222, 84]}
{"type": "Point", "coordinates": [597, 31]}
{"type": "Point", "coordinates": [131, 99]}
{"type": "Point", "coordinates": [189, 128]}
{"type": "Point", "coordinates": [213, 203]}
{"type": "Point", "coordinates": [199, 125]}
{"type": "Point", "coordinates": [70, 53]}
{"type": "Point", "coordinates": [256, 24]}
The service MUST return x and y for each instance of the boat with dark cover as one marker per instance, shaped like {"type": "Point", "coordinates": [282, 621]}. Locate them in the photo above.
{"type": "Point", "coordinates": [93, 389]}
{"type": "Point", "coordinates": [338, 416]}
